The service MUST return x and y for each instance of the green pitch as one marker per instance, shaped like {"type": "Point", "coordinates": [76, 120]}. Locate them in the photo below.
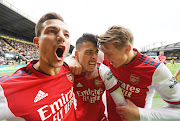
{"type": "Point", "coordinates": [8, 72]}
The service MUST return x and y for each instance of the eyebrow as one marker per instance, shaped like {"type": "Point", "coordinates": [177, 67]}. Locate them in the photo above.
{"type": "Point", "coordinates": [67, 31]}
{"type": "Point", "coordinates": [91, 50]}
{"type": "Point", "coordinates": [53, 27]}
{"type": "Point", "coordinates": [88, 50]}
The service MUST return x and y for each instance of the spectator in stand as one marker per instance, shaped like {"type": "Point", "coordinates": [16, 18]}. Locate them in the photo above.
{"type": "Point", "coordinates": [27, 50]}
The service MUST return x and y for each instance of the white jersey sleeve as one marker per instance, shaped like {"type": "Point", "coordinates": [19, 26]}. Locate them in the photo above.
{"type": "Point", "coordinates": [166, 85]}
{"type": "Point", "coordinates": [111, 83]}
{"type": "Point", "coordinates": [169, 89]}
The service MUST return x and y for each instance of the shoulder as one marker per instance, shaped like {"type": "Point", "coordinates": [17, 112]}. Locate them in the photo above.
{"type": "Point", "coordinates": [102, 67]}
{"type": "Point", "coordinates": [148, 60]}
{"type": "Point", "coordinates": [162, 73]}
{"type": "Point", "coordinates": [106, 62]}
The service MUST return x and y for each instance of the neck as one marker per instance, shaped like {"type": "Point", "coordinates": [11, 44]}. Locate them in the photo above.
{"type": "Point", "coordinates": [46, 69]}
{"type": "Point", "coordinates": [131, 56]}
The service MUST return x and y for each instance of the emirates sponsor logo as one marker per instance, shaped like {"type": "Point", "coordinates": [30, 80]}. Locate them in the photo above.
{"type": "Point", "coordinates": [128, 89]}
{"type": "Point", "coordinates": [40, 95]}
{"type": "Point", "coordinates": [90, 95]}
{"type": "Point", "coordinates": [134, 79]}
{"type": "Point", "coordinates": [57, 110]}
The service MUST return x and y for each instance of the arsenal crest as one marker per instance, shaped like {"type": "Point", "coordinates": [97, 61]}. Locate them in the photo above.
{"type": "Point", "coordinates": [134, 79]}
{"type": "Point", "coordinates": [97, 82]}
{"type": "Point", "coordinates": [70, 77]}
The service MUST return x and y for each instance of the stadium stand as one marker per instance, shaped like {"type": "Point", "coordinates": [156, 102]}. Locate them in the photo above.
{"type": "Point", "coordinates": [171, 51]}
{"type": "Point", "coordinates": [13, 52]}
{"type": "Point", "coordinates": [17, 33]}
{"type": "Point", "coordinates": [16, 36]}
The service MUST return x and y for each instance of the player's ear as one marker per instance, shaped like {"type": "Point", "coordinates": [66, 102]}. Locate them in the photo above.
{"type": "Point", "coordinates": [128, 48]}
{"type": "Point", "coordinates": [36, 41]}
{"type": "Point", "coordinates": [77, 54]}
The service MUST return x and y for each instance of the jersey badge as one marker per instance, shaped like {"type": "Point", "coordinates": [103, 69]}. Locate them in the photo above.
{"type": "Point", "coordinates": [40, 95]}
{"type": "Point", "coordinates": [70, 77]}
{"type": "Point", "coordinates": [79, 85]}
{"type": "Point", "coordinates": [98, 82]}
{"type": "Point", "coordinates": [134, 79]}
{"type": "Point", "coordinates": [174, 82]}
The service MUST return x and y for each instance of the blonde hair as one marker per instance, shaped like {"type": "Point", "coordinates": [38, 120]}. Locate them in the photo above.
{"type": "Point", "coordinates": [118, 35]}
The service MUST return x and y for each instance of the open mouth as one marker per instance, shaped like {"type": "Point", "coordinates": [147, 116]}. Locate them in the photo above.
{"type": "Point", "coordinates": [92, 64]}
{"type": "Point", "coordinates": [60, 51]}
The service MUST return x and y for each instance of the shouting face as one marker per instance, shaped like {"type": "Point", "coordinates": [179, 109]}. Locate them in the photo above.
{"type": "Point", "coordinates": [87, 56]}
{"type": "Point", "coordinates": [53, 43]}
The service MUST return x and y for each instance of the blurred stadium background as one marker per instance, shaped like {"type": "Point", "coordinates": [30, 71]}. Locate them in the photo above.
{"type": "Point", "coordinates": [17, 49]}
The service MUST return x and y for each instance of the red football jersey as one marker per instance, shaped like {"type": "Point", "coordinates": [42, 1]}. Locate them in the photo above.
{"type": "Point", "coordinates": [88, 94]}
{"type": "Point", "coordinates": [139, 80]}
{"type": "Point", "coordinates": [35, 96]}
{"type": "Point", "coordinates": [162, 59]}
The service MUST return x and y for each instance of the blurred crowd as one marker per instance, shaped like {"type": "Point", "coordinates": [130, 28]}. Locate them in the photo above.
{"type": "Point", "coordinates": [13, 52]}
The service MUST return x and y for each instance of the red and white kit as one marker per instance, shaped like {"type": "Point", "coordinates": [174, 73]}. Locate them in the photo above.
{"type": "Point", "coordinates": [162, 59]}
{"type": "Point", "coordinates": [139, 81]}
{"type": "Point", "coordinates": [34, 96]}
{"type": "Point", "coordinates": [88, 94]}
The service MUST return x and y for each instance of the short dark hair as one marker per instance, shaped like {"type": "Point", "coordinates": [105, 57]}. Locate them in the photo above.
{"type": "Point", "coordinates": [45, 17]}
{"type": "Point", "coordinates": [87, 37]}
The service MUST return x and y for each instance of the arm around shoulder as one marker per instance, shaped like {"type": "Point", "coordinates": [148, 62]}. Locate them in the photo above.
{"type": "Point", "coordinates": [74, 65]}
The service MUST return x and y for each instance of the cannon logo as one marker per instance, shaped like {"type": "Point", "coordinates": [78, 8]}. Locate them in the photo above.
{"type": "Point", "coordinates": [70, 77]}
{"type": "Point", "coordinates": [134, 79]}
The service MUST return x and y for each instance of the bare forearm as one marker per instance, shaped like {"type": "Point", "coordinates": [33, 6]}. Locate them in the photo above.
{"type": "Point", "coordinates": [177, 73]}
